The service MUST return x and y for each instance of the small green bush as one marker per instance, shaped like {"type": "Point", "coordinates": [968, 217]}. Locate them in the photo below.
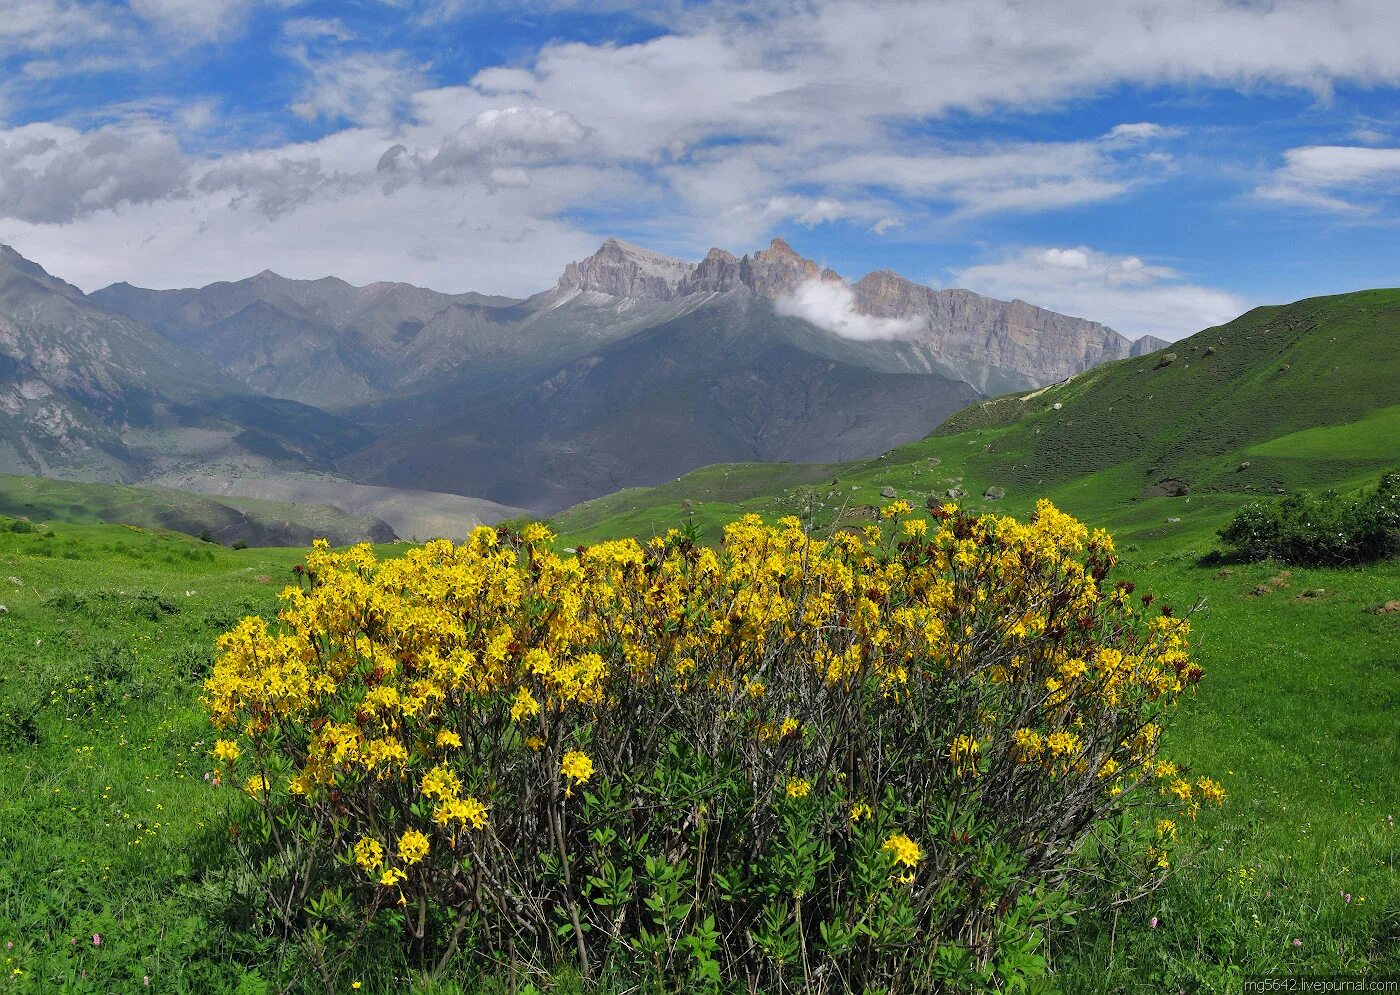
{"type": "Point", "coordinates": [1320, 530]}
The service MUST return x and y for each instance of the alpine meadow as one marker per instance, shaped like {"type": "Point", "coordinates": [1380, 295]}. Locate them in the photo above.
{"type": "Point", "coordinates": [897, 496]}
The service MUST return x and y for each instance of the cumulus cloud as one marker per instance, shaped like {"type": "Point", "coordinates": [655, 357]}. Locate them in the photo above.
{"type": "Point", "coordinates": [55, 174]}
{"type": "Point", "coordinates": [508, 135]}
{"type": "Point", "coordinates": [831, 305]}
{"type": "Point", "coordinates": [728, 120]}
{"type": "Point", "coordinates": [1135, 297]}
{"type": "Point", "coordinates": [1344, 178]}
{"type": "Point", "coordinates": [275, 185]}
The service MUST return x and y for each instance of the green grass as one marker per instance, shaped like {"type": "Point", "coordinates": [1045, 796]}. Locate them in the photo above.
{"type": "Point", "coordinates": [259, 523]}
{"type": "Point", "coordinates": [109, 827]}
{"type": "Point", "coordinates": [101, 646]}
{"type": "Point", "coordinates": [1298, 712]}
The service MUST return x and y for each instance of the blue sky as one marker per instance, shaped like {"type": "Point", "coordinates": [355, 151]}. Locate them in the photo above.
{"type": "Point", "coordinates": [1158, 165]}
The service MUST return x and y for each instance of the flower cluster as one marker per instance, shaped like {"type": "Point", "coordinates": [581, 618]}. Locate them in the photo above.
{"type": "Point", "coordinates": [438, 716]}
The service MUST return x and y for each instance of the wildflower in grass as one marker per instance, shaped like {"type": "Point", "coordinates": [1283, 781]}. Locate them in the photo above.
{"type": "Point", "coordinates": [904, 850]}
{"type": "Point", "coordinates": [1211, 791]}
{"type": "Point", "coordinates": [413, 846]}
{"type": "Point", "coordinates": [97, 939]}
{"type": "Point", "coordinates": [1181, 788]}
{"type": "Point", "coordinates": [896, 508]}
{"type": "Point", "coordinates": [1152, 923]}
{"type": "Point", "coordinates": [744, 661]}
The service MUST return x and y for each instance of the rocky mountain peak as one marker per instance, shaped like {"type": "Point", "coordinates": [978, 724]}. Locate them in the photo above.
{"type": "Point", "coordinates": [15, 269]}
{"type": "Point", "coordinates": [621, 269]}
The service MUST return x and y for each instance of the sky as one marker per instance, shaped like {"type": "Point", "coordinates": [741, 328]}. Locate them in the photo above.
{"type": "Point", "coordinates": [1157, 165]}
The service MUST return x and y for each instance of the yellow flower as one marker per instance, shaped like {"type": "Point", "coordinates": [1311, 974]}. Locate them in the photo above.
{"type": "Point", "coordinates": [226, 749]}
{"type": "Point", "coordinates": [859, 811]}
{"type": "Point", "coordinates": [798, 787]}
{"type": "Point", "coordinates": [413, 846]}
{"type": "Point", "coordinates": [256, 786]}
{"type": "Point", "coordinates": [904, 850]}
{"type": "Point", "coordinates": [1211, 791]}
{"type": "Point", "coordinates": [368, 853]}
{"type": "Point", "coordinates": [448, 738]}
{"type": "Point", "coordinates": [534, 743]}
{"type": "Point", "coordinates": [577, 767]}
{"type": "Point", "coordinates": [962, 753]}
{"type": "Point", "coordinates": [391, 877]}
{"type": "Point", "coordinates": [525, 705]}
{"type": "Point", "coordinates": [474, 812]}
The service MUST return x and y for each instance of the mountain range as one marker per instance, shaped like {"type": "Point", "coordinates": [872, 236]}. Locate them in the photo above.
{"type": "Point", "coordinates": [633, 369]}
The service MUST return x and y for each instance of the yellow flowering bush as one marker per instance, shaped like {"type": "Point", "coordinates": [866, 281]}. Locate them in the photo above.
{"type": "Point", "coordinates": [868, 760]}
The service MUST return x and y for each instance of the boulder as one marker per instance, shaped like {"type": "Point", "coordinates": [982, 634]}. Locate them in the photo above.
{"type": "Point", "coordinates": [994, 493]}
{"type": "Point", "coordinates": [887, 492]}
{"type": "Point", "coordinates": [1166, 360]}
{"type": "Point", "coordinates": [956, 493]}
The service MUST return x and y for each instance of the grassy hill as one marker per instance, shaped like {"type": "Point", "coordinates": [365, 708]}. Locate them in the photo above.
{"type": "Point", "coordinates": [226, 521]}
{"type": "Point", "coordinates": [106, 631]}
{"type": "Point", "coordinates": [1300, 396]}
{"type": "Point", "coordinates": [1303, 666]}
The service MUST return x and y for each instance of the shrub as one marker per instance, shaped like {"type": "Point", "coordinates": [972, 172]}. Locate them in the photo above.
{"type": "Point", "coordinates": [1324, 530]}
{"type": "Point", "coordinates": [883, 761]}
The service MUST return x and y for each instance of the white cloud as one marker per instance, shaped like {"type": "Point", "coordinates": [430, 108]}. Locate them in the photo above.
{"type": "Point", "coordinates": [193, 19]}
{"type": "Point", "coordinates": [52, 174]}
{"type": "Point", "coordinates": [359, 87]}
{"type": "Point", "coordinates": [1344, 178]}
{"type": "Point", "coordinates": [831, 305]}
{"type": "Point", "coordinates": [309, 28]}
{"type": "Point", "coordinates": [1132, 296]}
{"type": "Point", "coordinates": [736, 118]}
{"type": "Point", "coordinates": [510, 134]}
{"type": "Point", "coordinates": [1140, 131]}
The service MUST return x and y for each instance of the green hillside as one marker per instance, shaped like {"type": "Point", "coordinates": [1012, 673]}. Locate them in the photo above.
{"type": "Point", "coordinates": [1305, 395]}
{"type": "Point", "coordinates": [227, 521]}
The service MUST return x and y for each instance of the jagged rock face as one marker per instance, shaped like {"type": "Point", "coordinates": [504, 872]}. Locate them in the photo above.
{"type": "Point", "coordinates": [967, 329]}
{"type": "Point", "coordinates": [619, 269]}
{"type": "Point", "coordinates": [994, 345]}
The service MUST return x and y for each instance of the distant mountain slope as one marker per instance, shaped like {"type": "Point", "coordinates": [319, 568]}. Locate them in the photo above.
{"type": "Point", "coordinates": [411, 514]}
{"type": "Point", "coordinates": [730, 381]}
{"type": "Point", "coordinates": [86, 393]}
{"type": "Point", "coordinates": [328, 343]}
{"type": "Point", "coordinates": [633, 369]}
{"type": "Point", "coordinates": [1305, 395]}
{"type": "Point", "coordinates": [257, 523]}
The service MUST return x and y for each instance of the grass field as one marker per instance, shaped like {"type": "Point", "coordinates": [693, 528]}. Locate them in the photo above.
{"type": "Point", "coordinates": [109, 829]}
{"type": "Point", "coordinates": [109, 628]}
